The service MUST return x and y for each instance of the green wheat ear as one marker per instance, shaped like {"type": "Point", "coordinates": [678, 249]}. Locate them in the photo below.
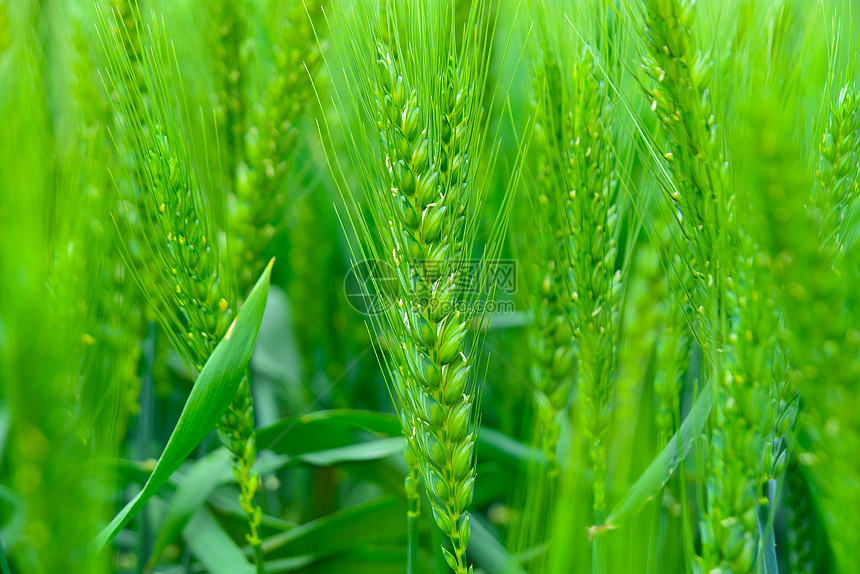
{"type": "Point", "coordinates": [579, 195]}
{"type": "Point", "coordinates": [183, 267]}
{"type": "Point", "coordinates": [416, 144]}
{"type": "Point", "coordinates": [837, 196]}
{"type": "Point", "coordinates": [731, 291]}
{"type": "Point", "coordinates": [265, 169]}
{"type": "Point", "coordinates": [59, 374]}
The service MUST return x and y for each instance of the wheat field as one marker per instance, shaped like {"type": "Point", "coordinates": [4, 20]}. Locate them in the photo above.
{"type": "Point", "coordinates": [436, 286]}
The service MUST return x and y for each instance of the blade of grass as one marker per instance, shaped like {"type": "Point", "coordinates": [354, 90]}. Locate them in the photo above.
{"type": "Point", "coordinates": [363, 451]}
{"type": "Point", "coordinates": [214, 548]}
{"type": "Point", "coordinates": [661, 468]}
{"type": "Point", "coordinates": [212, 394]}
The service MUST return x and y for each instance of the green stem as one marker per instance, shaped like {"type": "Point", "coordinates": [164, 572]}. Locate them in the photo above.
{"type": "Point", "coordinates": [238, 434]}
{"type": "Point", "coordinates": [258, 557]}
{"type": "Point", "coordinates": [460, 554]}
{"type": "Point", "coordinates": [596, 546]}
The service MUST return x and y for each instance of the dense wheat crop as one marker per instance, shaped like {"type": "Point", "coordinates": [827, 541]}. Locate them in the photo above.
{"type": "Point", "coordinates": [429, 286]}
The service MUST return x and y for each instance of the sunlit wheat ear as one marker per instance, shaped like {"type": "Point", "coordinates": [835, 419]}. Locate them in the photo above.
{"type": "Point", "coordinates": [182, 268]}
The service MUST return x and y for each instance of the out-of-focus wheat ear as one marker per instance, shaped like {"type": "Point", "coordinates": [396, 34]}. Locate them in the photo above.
{"type": "Point", "coordinates": [678, 84]}
{"type": "Point", "coordinates": [227, 29]}
{"type": "Point", "coordinates": [837, 196]}
{"type": "Point", "coordinates": [545, 263]}
{"type": "Point", "coordinates": [47, 249]}
{"type": "Point", "coordinates": [814, 300]}
{"type": "Point", "coordinates": [269, 166]}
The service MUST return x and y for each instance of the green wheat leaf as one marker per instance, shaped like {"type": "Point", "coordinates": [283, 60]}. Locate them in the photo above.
{"type": "Point", "coordinates": [768, 564]}
{"type": "Point", "coordinates": [210, 544]}
{"type": "Point", "coordinates": [212, 393]}
{"type": "Point", "coordinates": [190, 497]}
{"type": "Point", "coordinates": [661, 468]}
{"type": "Point", "coordinates": [363, 451]}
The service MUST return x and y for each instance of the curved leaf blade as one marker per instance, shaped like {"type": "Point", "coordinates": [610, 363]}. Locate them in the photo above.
{"type": "Point", "coordinates": [210, 544]}
{"type": "Point", "coordinates": [212, 393]}
{"type": "Point", "coordinates": [661, 468]}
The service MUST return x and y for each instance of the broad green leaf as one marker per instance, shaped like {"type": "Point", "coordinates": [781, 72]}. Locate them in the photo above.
{"type": "Point", "coordinates": [488, 551]}
{"type": "Point", "coordinates": [194, 489]}
{"type": "Point", "coordinates": [495, 445]}
{"type": "Point", "coordinates": [323, 430]}
{"type": "Point", "coordinates": [212, 393]}
{"type": "Point", "coordinates": [364, 451]}
{"type": "Point", "coordinates": [380, 519]}
{"type": "Point", "coordinates": [661, 468]}
{"type": "Point", "coordinates": [213, 547]}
